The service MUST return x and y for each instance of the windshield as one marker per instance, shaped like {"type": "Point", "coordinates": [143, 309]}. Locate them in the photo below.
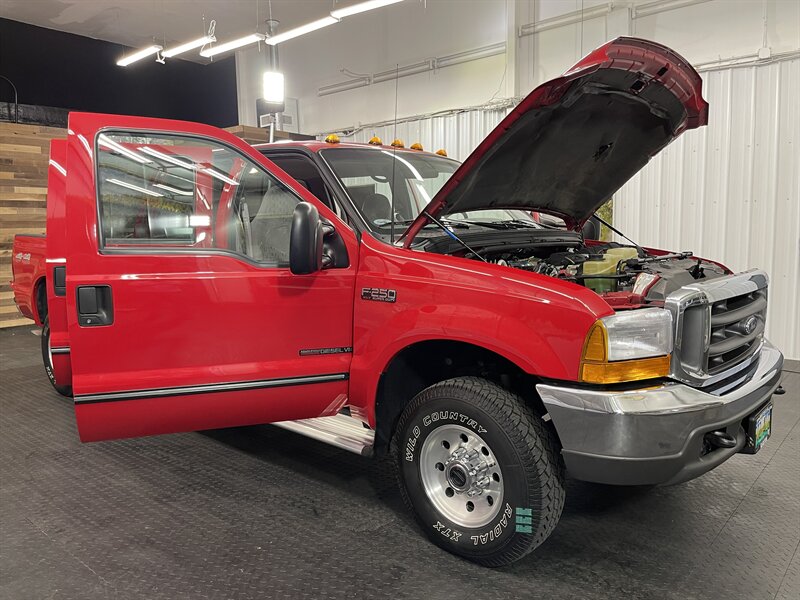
{"type": "Point", "coordinates": [378, 180]}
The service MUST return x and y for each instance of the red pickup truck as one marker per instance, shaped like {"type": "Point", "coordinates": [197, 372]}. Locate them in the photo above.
{"type": "Point", "coordinates": [391, 300]}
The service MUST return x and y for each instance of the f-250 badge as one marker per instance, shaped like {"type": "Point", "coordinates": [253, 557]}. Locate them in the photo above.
{"type": "Point", "coordinates": [379, 294]}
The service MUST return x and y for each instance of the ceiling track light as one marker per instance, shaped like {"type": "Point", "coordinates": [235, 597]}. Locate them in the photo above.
{"type": "Point", "coordinates": [341, 13]}
{"type": "Point", "coordinates": [174, 190]}
{"type": "Point", "coordinates": [135, 188]}
{"type": "Point", "coordinates": [232, 45]}
{"type": "Point", "coordinates": [198, 43]}
{"type": "Point", "coordinates": [302, 30]}
{"type": "Point", "coordinates": [334, 17]}
{"type": "Point", "coordinates": [139, 55]}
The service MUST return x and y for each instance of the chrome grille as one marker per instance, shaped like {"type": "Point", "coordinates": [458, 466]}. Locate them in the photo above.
{"type": "Point", "coordinates": [719, 329]}
{"type": "Point", "coordinates": [737, 326]}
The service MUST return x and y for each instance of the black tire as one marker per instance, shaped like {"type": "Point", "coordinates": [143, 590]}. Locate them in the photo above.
{"type": "Point", "coordinates": [64, 390]}
{"type": "Point", "coordinates": [520, 444]}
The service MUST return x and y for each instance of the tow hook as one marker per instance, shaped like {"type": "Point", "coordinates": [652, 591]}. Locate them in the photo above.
{"type": "Point", "coordinates": [720, 439]}
{"type": "Point", "coordinates": [779, 391]}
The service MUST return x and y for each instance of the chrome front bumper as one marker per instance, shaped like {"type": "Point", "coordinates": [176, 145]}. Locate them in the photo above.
{"type": "Point", "coordinates": [653, 435]}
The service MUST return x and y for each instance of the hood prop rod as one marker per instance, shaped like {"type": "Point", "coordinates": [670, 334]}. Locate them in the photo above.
{"type": "Point", "coordinates": [618, 232]}
{"type": "Point", "coordinates": [444, 228]}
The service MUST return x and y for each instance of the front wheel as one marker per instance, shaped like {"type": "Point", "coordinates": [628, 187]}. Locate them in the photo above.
{"type": "Point", "coordinates": [47, 359]}
{"type": "Point", "coordinates": [480, 470]}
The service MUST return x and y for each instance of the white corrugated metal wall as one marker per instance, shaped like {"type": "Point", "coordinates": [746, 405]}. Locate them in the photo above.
{"type": "Point", "coordinates": [458, 133]}
{"type": "Point", "coordinates": [731, 191]}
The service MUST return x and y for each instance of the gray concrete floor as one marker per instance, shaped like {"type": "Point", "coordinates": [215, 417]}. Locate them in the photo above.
{"type": "Point", "coordinates": [259, 512]}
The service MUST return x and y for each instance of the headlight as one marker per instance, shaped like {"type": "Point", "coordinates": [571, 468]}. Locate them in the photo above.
{"type": "Point", "coordinates": [628, 346]}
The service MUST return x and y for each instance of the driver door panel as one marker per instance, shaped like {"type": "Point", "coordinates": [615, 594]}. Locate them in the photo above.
{"type": "Point", "coordinates": [206, 332]}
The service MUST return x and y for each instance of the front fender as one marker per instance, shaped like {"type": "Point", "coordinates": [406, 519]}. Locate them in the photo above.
{"type": "Point", "coordinates": [537, 322]}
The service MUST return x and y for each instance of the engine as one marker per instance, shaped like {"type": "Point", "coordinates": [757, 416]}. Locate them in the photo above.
{"type": "Point", "coordinates": [625, 276]}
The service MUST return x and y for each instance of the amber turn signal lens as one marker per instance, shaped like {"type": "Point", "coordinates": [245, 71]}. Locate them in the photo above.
{"type": "Point", "coordinates": [625, 370]}
{"type": "Point", "coordinates": [595, 348]}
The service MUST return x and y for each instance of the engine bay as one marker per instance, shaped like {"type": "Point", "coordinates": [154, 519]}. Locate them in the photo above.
{"type": "Point", "coordinates": [625, 276]}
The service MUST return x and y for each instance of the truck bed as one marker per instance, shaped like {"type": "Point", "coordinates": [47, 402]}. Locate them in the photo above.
{"type": "Point", "coordinates": [27, 272]}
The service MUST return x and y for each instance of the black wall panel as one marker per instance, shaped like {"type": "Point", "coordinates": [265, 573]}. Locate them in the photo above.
{"type": "Point", "coordinates": [52, 68]}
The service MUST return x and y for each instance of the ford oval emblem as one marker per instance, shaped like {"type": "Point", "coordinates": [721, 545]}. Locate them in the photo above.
{"type": "Point", "coordinates": [748, 325]}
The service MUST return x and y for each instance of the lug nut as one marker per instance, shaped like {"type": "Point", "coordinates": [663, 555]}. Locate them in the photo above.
{"type": "Point", "coordinates": [483, 482]}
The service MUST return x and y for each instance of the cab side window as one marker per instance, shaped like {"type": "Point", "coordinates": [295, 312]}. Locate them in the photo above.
{"type": "Point", "coordinates": [303, 169]}
{"type": "Point", "coordinates": [176, 192]}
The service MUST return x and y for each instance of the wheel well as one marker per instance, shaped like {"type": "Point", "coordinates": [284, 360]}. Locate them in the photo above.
{"type": "Point", "coordinates": [422, 364]}
{"type": "Point", "coordinates": [40, 295]}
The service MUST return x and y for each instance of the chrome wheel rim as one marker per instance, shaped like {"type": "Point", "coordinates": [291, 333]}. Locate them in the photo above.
{"type": "Point", "coordinates": [461, 476]}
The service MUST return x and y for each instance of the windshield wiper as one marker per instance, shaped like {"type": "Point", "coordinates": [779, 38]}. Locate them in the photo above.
{"type": "Point", "coordinates": [456, 224]}
{"type": "Point", "coordinates": [444, 227]}
{"type": "Point", "coordinates": [505, 224]}
{"type": "Point", "coordinates": [520, 223]}
{"type": "Point", "coordinates": [549, 226]}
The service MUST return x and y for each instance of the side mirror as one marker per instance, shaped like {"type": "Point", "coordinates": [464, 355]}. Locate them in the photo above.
{"type": "Point", "coordinates": [305, 241]}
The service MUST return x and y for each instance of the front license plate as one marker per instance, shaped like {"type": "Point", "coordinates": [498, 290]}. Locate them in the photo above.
{"type": "Point", "coordinates": [760, 428]}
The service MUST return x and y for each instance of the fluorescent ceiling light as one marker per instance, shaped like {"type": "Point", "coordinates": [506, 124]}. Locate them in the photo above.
{"type": "Point", "coordinates": [199, 220]}
{"type": "Point", "coordinates": [85, 144]}
{"type": "Point", "coordinates": [167, 157]}
{"type": "Point", "coordinates": [57, 167]}
{"type": "Point", "coordinates": [169, 188]}
{"type": "Point", "coordinates": [302, 30]}
{"type": "Point", "coordinates": [405, 162]}
{"type": "Point", "coordinates": [214, 173]}
{"type": "Point", "coordinates": [103, 140]}
{"type": "Point", "coordinates": [138, 55]}
{"type": "Point", "coordinates": [136, 188]}
{"type": "Point", "coordinates": [273, 87]}
{"type": "Point", "coordinates": [341, 13]}
{"type": "Point", "coordinates": [170, 52]}
{"type": "Point", "coordinates": [232, 45]}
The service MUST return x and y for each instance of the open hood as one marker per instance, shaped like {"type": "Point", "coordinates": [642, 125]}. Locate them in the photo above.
{"type": "Point", "coordinates": [575, 140]}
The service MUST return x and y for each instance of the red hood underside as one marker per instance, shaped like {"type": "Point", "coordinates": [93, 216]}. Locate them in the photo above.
{"type": "Point", "coordinates": [575, 140]}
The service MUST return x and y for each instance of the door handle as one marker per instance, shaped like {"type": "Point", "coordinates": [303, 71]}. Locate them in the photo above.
{"type": "Point", "coordinates": [60, 281]}
{"type": "Point", "coordinates": [95, 306]}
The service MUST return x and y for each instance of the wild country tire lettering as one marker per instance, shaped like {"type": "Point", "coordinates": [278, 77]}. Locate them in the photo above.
{"type": "Point", "coordinates": [434, 417]}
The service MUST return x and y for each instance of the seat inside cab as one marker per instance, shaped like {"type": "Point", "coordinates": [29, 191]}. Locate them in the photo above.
{"type": "Point", "coordinates": [302, 168]}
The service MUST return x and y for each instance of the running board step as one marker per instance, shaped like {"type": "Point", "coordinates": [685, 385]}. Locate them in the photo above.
{"type": "Point", "coordinates": [340, 430]}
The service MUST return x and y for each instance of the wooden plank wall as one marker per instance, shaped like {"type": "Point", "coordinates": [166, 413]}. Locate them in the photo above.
{"type": "Point", "coordinates": [24, 152]}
